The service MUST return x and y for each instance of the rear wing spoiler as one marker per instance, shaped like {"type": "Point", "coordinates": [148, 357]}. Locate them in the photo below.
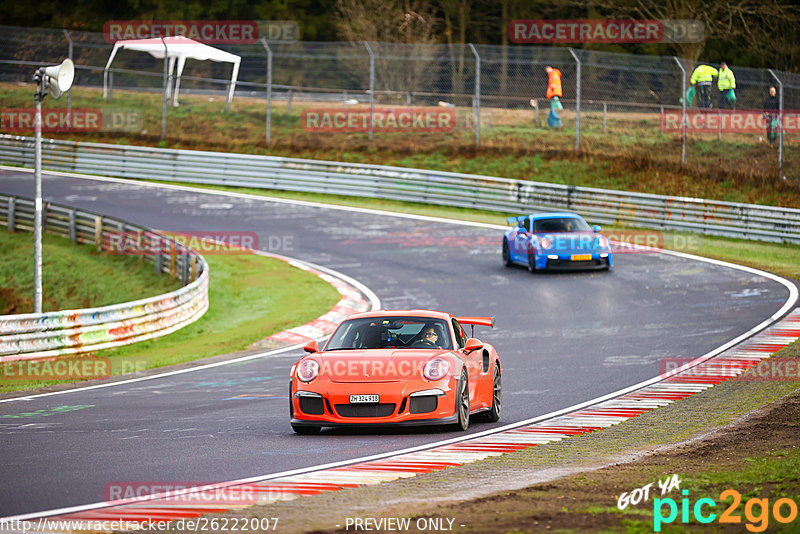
{"type": "Point", "coordinates": [476, 321]}
{"type": "Point", "coordinates": [516, 220]}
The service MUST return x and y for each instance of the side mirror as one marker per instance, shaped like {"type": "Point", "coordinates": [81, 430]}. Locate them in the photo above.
{"type": "Point", "coordinates": [311, 346]}
{"type": "Point", "coordinates": [596, 228]}
{"type": "Point", "coordinates": [472, 344]}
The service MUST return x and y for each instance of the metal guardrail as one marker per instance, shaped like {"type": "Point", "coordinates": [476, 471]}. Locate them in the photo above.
{"type": "Point", "coordinates": [729, 219]}
{"type": "Point", "coordinates": [32, 335]}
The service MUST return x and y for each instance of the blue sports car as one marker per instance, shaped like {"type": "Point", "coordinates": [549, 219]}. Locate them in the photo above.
{"type": "Point", "coordinates": [555, 241]}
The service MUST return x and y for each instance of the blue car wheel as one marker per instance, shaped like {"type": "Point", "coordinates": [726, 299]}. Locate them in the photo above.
{"type": "Point", "coordinates": [531, 260]}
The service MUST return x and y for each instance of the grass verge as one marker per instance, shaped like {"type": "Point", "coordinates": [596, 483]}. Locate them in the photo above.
{"type": "Point", "coordinates": [251, 297]}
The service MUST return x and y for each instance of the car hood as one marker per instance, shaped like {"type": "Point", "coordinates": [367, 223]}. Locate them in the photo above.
{"type": "Point", "coordinates": [376, 365]}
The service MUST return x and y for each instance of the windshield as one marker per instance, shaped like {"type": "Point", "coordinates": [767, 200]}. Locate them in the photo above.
{"type": "Point", "coordinates": [391, 332]}
{"type": "Point", "coordinates": [560, 224]}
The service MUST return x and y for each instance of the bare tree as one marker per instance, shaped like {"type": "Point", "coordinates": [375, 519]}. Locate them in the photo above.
{"type": "Point", "coordinates": [754, 25]}
{"type": "Point", "coordinates": [407, 25]}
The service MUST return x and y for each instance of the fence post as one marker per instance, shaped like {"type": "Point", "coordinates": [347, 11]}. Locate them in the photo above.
{"type": "Point", "coordinates": [371, 88]}
{"type": "Point", "coordinates": [164, 96]}
{"type": "Point", "coordinates": [605, 111]}
{"type": "Point", "coordinates": [535, 112]}
{"type": "Point", "coordinates": [110, 84]}
{"type": "Point", "coordinates": [12, 204]}
{"type": "Point", "coordinates": [577, 99]}
{"type": "Point", "coordinates": [476, 109]}
{"type": "Point", "coordinates": [289, 103]}
{"type": "Point", "coordinates": [269, 89]}
{"type": "Point", "coordinates": [69, 92]}
{"type": "Point", "coordinates": [780, 121]}
{"type": "Point", "coordinates": [661, 121]}
{"type": "Point", "coordinates": [683, 107]}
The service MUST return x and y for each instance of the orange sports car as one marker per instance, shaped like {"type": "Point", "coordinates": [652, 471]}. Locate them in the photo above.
{"type": "Point", "coordinates": [408, 367]}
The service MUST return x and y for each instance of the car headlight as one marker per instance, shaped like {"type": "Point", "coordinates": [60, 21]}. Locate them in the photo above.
{"type": "Point", "coordinates": [436, 369]}
{"type": "Point", "coordinates": [307, 370]}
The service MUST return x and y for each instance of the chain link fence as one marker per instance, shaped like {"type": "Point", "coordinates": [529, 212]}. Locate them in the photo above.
{"type": "Point", "coordinates": [613, 103]}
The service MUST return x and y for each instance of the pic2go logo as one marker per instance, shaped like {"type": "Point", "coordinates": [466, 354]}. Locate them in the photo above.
{"type": "Point", "coordinates": [756, 511]}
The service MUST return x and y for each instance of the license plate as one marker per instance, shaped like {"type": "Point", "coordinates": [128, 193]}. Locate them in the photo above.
{"type": "Point", "coordinates": [581, 257]}
{"type": "Point", "coordinates": [361, 399]}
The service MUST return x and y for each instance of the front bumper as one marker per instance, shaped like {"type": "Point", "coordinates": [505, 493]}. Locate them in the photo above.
{"type": "Point", "coordinates": [564, 262]}
{"type": "Point", "coordinates": [326, 403]}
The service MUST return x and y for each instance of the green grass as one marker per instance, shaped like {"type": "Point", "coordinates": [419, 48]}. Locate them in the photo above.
{"type": "Point", "coordinates": [251, 297]}
{"type": "Point", "coordinates": [781, 259]}
{"type": "Point", "coordinates": [73, 276]}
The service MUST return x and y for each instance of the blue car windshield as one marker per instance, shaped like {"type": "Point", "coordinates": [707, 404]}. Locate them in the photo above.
{"type": "Point", "coordinates": [391, 332]}
{"type": "Point", "coordinates": [560, 224]}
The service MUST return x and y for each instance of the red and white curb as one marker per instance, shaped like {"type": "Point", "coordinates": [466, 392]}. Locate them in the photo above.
{"type": "Point", "coordinates": [352, 301]}
{"type": "Point", "coordinates": [393, 466]}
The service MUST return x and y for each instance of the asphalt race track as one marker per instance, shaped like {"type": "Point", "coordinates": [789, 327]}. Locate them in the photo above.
{"type": "Point", "coordinates": [562, 338]}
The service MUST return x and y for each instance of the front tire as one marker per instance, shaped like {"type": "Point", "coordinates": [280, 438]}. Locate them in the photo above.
{"type": "Point", "coordinates": [462, 402]}
{"type": "Point", "coordinates": [493, 415]}
{"type": "Point", "coordinates": [531, 261]}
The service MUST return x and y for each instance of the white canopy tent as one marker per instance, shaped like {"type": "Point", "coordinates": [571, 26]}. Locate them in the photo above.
{"type": "Point", "coordinates": [178, 49]}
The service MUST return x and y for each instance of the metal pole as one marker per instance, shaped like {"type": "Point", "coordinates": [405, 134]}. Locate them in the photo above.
{"type": "Point", "coordinates": [269, 89]}
{"type": "Point", "coordinates": [577, 99]}
{"type": "Point", "coordinates": [683, 107]}
{"type": "Point", "coordinates": [371, 88]}
{"type": "Point", "coordinates": [780, 121]}
{"type": "Point", "coordinates": [289, 102]}
{"type": "Point", "coordinates": [605, 111]}
{"type": "Point", "coordinates": [69, 93]}
{"type": "Point", "coordinates": [37, 206]}
{"type": "Point", "coordinates": [476, 109]}
{"type": "Point", "coordinates": [164, 96]}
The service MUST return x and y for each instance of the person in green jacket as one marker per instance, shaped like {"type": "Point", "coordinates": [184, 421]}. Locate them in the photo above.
{"type": "Point", "coordinates": [701, 79]}
{"type": "Point", "coordinates": [726, 82]}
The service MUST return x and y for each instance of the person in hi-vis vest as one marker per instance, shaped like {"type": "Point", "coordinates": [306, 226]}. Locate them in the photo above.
{"type": "Point", "coordinates": [726, 83]}
{"type": "Point", "coordinates": [554, 93]}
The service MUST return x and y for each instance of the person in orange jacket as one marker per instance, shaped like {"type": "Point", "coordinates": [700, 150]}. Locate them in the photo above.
{"type": "Point", "coordinates": [554, 93]}
{"type": "Point", "coordinates": [553, 82]}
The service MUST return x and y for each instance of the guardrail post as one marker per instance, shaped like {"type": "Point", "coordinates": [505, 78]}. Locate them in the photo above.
{"type": "Point", "coordinates": [289, 103]}
{"type": "Point", "coordinates": [269, 89]}
{"type": "Point", "coordinates": [408, 98]}
{"type": "Point", "coordinates": [683, 107]}
{"type": "Point", "coordinates": [157, 258]}
{"type": "Point", "coordinates": [72, 229]}
{"type": "Point", "coordinates": [173, 260]}
{"type": "Point", "coordinates": [184, 268]}
{"type": "Point", "coordinates": [193, 268]}
{"type": "Point", "coordinates": [12, 204]}
{"type": "Point", "coordinates": [371, 88]}
{"type": "Point", "coordinates": [476, 107]}
{"type": "Point", "coordinates": [577, 99]}
{"type": "Point", "coordinates": [98, 232]}
{"type": "Point", "coordinates": [780, 122]}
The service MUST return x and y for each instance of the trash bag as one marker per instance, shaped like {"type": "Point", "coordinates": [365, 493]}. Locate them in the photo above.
{"type": "Point", "coordinates": [553, 120]}
{"type": "Point", "coordinates": [555, 103]}
{"type": "Point", "coordinates": [731, 96]}
{"type": "Point", "coordinates": [689, 96]}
